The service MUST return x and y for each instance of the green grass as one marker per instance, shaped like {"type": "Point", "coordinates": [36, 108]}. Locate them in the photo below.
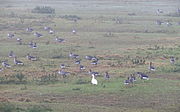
{"type": "Point", "coordinates": [136, 36]}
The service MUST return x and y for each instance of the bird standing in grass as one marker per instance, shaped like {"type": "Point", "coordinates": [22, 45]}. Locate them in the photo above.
{"type": "Point", "coordinates": [17, 62]}
{"type": "Point", "coordinates": [1, 69]}
{"type": "Point", "coordinates": [143, 76]}
{"type": "Point", "coordinates": [62, 66]}
{"type": "Point", "coordinates": [172, 60]}
{"type": "Point", "coordinates": [151, 68]}
{"type": "Point", "coordinates": [81, 67]}
{"type": "Point", "coordinates": [127, 82]}
{"type": "Point", "coordinates": [11, 54]}
{"type": "Point", "coordinates": [5, 64]}
{"type": "Point", "coordinates": [93, 80]}
{"type": "Point", "coordinates": [63, 73]}
{"type": "Point", "coordinates": [93, 73]}
{"type": "Point", "coordinates": [107, 76]}
{"type": "Point", "coordinates": [32, 58]}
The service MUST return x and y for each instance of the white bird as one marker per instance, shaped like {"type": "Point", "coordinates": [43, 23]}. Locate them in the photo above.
{"type": "Point", "coordinates": [74, 31]}
{"type": "Point", "coordinates": [93, 80]}
{"type": "Point", "coordinates": [51, 31]}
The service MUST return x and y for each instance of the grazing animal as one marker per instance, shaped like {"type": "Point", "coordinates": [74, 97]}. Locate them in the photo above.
{"type": "Point", "coordinates": [38, 34]}
{"type": "Point", "coordinates": [159, 22]}
{"type": "Point", "coordinates": [74, 31]}
{"type": "Point", "coordinates": [143, 76]}
{"type": "Point", "coordinates": [81, 67]}
{"type": "Point", "coordinates": [32, 58]}
{"type": "Point", "coordinates": [5, 64]}
{"type": "Point", "coordinates": [47, 28]}
{"type": "Point", "coordinates": [168, 23]}
{"type": "Point", "coordinates": [59, 39]}
{"type": "Point", "coordinates": [77, 62]}
{"type": "Point", "coordinates": [1, 69]}
{"type": "Point", "coordinates": [74, 56]}
{"type": "Point", "coordinates": [63, 73]}
{"type": "Point", "coordinates": [88, 57]}
{"type": "Point", "coordinates": [107, 76]}
{"type": "Point", "coordinates": [94, 59]}
{"type": "Point", "coordinates": [30, 44]}
{"type": "Point", "coordinates": [94, 62]}
{"type": "Point", "coordinates": [29, 29]}
{"type": "Point", "coordinates": [62, 66]}
{"type": "Point", "coordinates": [130, 80]}
{"type": "Point", "coordinates": [133, 77]}
{"type": "Point", "coordinates": [51, 31]}
{"type": "Point", "coordinates": [93, 73]}
{"type": "Point", "coordinates": [127, 82]}
{"type": "Point", "coordinates": [10, 35]}
{"type": "Point", "coordinates": [34, 46]}
{"type": "Point", "coordinates": [159, 11]}
{"type": "Point", "coordinates": [151, 68]}
{"type": "Point", "coordinates": [17, 62]}
{"type": "Point", "coordinates": [93, 80]}
{"type": "Point", "coordinates": [172, 60]}
{"type": "Point", "coordinates": [19, 40]}
{"type": "Point", "coordinates": [11, 54]}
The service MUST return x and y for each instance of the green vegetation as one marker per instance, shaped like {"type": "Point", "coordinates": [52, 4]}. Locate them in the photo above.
{"type": "Point", "coordinates": [44, 9]}
{"type": "Point", "coordinates": [123, 35]}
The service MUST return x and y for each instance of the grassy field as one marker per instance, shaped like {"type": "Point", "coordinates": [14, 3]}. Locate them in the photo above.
{"type": "Point", "coordinates": [115, 31]}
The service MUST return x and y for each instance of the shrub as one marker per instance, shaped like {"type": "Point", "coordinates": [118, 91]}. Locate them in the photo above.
{"type": "Point", "coordinates": [7, 107]}
{"type": "Point", "coordinates": [44, 9]}
{"type": "Point", "coordinates": [20, 77]}
{"type": "Point", "coordinates": [39, 109]}
{"type": "Point", "coordinates": [70, 17]}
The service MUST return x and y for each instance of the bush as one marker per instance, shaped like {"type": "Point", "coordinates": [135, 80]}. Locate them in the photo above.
{"type": "Point", "coordinates": [7, 107]}
{"type": "Point", "coordinates": [70, 17]}
{"type": "Point", "coordinates": [20, 77]}
{"type": "Point", "coordinates": [39, 109]}
{"type": "Point", "coordinates": [44, 9]}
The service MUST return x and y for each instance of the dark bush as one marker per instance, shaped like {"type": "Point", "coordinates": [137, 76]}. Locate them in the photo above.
{"type": "Point", "coordinates": [7, 107]}
{"type": "Point", "coordinates": [70, 17]}
{"type": "Point", "coordinates": [39, 109]}
{"type": "Point", "coordinates": [20, 77]}
{"type": "Point", "coordinates": [43, 9]}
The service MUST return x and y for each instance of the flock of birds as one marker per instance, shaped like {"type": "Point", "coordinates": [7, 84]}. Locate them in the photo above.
{"type": "Point", "coordinates": [165, 22]}
{"type": "Point", "coordinates": [94, 60]}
